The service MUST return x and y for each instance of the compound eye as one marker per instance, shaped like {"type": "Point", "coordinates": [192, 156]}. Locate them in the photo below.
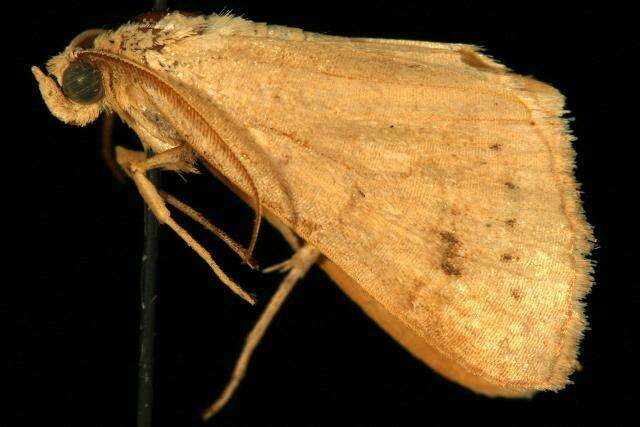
{"type": "Point", "coordinates": [82, 82]}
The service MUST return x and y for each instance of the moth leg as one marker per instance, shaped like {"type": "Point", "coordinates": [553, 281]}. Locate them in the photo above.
{"type": "Point", "coordinates": [200, 219]}
{"type": "Point", "coordinates": [136, 164]}
{"type": "Point", "coordinates": [299, 264]}
{"type": "Point", "coordinates": [107, 147]}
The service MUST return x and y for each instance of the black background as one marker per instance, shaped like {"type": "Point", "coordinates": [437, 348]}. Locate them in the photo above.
{"type": "Point", "coordinates": [76, 241]}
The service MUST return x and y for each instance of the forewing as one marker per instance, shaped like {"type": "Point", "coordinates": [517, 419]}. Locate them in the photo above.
{"type": "Point", "coordinates": [437, 180]}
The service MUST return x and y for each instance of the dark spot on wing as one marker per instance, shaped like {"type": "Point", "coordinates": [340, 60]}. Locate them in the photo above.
{"type": "Point", "coordinates": [495, 147]}
{"type": "Point", "coordinates": [449, 238]}
{"type": "Point", "coordinates": [508, 257]}
{"type": "Point", "coordinates": [450, 269]}
{"type": "Point", "coordinates": [510, 222]}
{"type": "Point", "coordinates": [510, 185]}
{"type": "Point", "coordinates": [516, 293]}
{"type": "Point", "coordinates": [451, 258]}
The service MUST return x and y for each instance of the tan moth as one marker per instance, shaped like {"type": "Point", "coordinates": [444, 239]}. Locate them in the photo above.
{"type": "Point", "coordinates": [433, 185]}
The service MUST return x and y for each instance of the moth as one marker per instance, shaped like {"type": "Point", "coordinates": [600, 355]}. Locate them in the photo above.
{"type": "Point", "coordinates": [431, 183]}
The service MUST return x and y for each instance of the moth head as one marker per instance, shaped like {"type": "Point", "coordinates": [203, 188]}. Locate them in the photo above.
{"type": "Point", "coordinates": [76, 95]}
